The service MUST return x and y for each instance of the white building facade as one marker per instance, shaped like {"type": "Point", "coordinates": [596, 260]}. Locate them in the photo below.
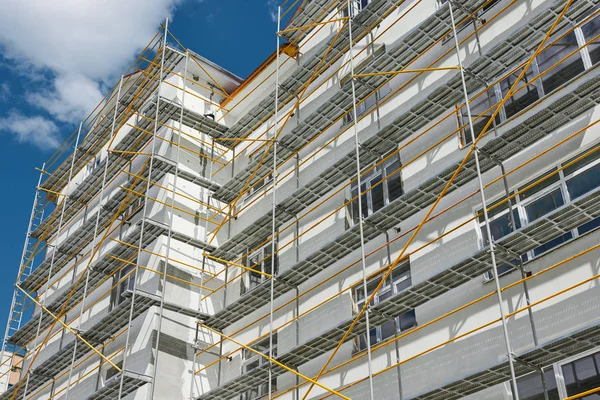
{"type": "Point", "coordinates": [329, 226]}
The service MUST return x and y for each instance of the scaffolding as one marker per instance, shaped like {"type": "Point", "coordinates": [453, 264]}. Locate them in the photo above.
{"type": "Point", "coordinates": [117, 224]}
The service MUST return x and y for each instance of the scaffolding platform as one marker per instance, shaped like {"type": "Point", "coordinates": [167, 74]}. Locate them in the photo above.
{"type": "Point", "coordinates": [102, 268]}
{"type": "Point", "coordinates": [79, 238]}
{"type": "Point", "coordinates": [550, 352]}
{"type": "Point", "coordinates": [123, 153]}
{"type": "Point", "coordinates": [97, 138]}
{"type": "Point", "coordinates": [407, 50]}
{"type": "Point", "coordinates": [320, 55]}
{"type": "Point", "coordinates": [581, 210]}
{"type": "Point", "coordinates": [539, 125]}
{"type": "Point", "coordinates": [103, 330]}
{"type": "Point", "coordinates": [131, 382]}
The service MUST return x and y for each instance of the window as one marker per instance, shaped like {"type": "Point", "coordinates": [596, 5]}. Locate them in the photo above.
{"type": "Point", "coordinates": [578, 176]}
{"type": "Point", "coordinates": [481, 111]}
{"type": "Point", "coordinates": [356, 5]}
{"type": "Point", "coordinates": [370, 102]}
{"type": "Point", "coordinates": [398, 281]}
{"type": "Point", "coordinates": [257, 186]}
{"type": "Point", "coordinates": [259, 262]}
{"type": "Point", "coordinates": [385, 184]}
{"type": "Point", "coordinates": [251, 361]}
{"type": "Point", "coordinates": [582, 375]}
{"type": "Point", "coordinates": [124, 285]}
{"type": "Point", "coordinates": [531, 386]}
{"type": "Point", "coordinates": [554, 63]}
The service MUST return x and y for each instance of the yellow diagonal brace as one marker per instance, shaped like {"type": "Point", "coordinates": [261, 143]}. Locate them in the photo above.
{"type": "Point", "coordinates": [306, 378]}
{"type": "Point", "coordinates": [69, 329]}
{"type": "Point", "coordinates": [236, 264]}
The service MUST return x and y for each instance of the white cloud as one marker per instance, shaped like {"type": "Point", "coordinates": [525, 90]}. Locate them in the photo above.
{"type": "Point", "coordinates": [5, 92]}
{"type": "Point", "coordinates": [36, 130]}
{"type": "Point", "coordinates": [71, 51]}
{"type": "Point", "coordinates": [272, 6]}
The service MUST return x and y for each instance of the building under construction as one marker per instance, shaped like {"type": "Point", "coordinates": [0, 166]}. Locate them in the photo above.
{"type": "Point", "coordinates": [400, 203]}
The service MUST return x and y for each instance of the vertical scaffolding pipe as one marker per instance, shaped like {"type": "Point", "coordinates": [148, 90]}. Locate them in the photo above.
{"type": "Point", "coordinates": [56, 246]}
{"type": "Point", "coordinates": [145, 208]}
{"type": "Point", "coordinates": [360, 205]}
{"type": "Point", "coordinates": [274, 205]}
{"type": "Point", "coordinates": [100, 198]}
{"type": "Point", "coordinates": [170, 230]}
{"type": "Point", "coordinates": [515, 393]}
{"type": "Point", "coordinates": [22, 268]}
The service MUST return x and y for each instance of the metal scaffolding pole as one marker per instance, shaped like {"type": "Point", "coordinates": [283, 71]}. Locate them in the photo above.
{"type": "Point", "coordinates": [17, 302]}
{"type": "Point", "coordinates": [100, 198]}
{"type": "Point", "coordinates": [145, 207]}
{"type": "Point", "coordinates": [509, 352]}
{"type": "Point", "coordinates": [170, 229]}
{"type": "Point", "coordinates": [56, 247]}
{"type": "Point", "coordinates": [274, 207]}
{"type": "Point", "coordinates": [360, 205]}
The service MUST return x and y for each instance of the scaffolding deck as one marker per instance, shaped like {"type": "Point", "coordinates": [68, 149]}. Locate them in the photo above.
{"type": "Point", "coordinates": [407, 50]}
{"type": "Point", "coordinates": [324, 54]}
{"type": "Point", "coordinates": [124, 152]}
{"type": "Point", "coordinates": [97, 137]}
{"type": "Point", "coordinates": [541, 124]}
{"type": "Point", "coordinates": [581, 210]}
{"type": "Point", "coordinates": [102, 268]}
{"type": "Point", "coordinates": [111, 389]}
{"type": "Point", "coordinates": [84, 234]}
{"type": "Point", "coordinates": [99, 333]}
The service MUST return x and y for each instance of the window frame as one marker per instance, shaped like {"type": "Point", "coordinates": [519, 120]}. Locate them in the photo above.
{"type": "Point", "coordinates": [390, 286]}
{"type": "Point", "coordinates": [583, 54]}
{"type": "Point", "coordinates": [381, 171]}
{"type": "Point", "coordinates": [246, 360]}
{"type": "Point", "coordinates": [246, 280]}
{"type": "Point", "coordinates": [520, 204]}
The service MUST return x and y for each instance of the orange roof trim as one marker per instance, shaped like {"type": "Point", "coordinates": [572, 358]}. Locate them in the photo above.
{"type": "Point", "coordinates": [289, 49]}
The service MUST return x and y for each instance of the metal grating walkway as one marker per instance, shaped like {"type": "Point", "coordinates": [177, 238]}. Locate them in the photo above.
{"type": "Point", "coordinates": [99, 271]}
{"type": "Point", "coordinates": [585, 94]}
{"type": "Point", "coordinates": [96, 138]}
{"type": "Point", "coordinates": [84, 234]}
{"type": "Point", "coordinates": [571, 215]}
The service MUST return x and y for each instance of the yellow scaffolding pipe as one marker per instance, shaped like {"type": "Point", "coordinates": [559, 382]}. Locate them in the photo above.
{"type": "Point", "coordinates": [274, 361]}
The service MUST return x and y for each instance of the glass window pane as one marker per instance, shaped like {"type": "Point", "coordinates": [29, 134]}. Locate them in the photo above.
{"type": "Point", "coordinates": [552, 177]}
{"type": "Point", "coordinates": [565, 70]}
{"type": "Point", "coordinates": [394, 181]}
{"type": "Point", "coordinates": [364, 202]}
{"type": "Point", "coordinates": [584, 182]}
{"type": "Point", "coordinates": [544, 205]}
{"type": "Point", "coordinates": [407, 320]}
{"type": "Point", "coordinates": [589, 226]}
{"type": "Point", "coordinates": [531, 386]}
{"type": "Point", "coordinates": [552, 244]}
{"type": "Point", "coordinates": [501, 226]}
{"type": "Point", "coordinates": [592, 155]}
{"type": "Point", "coordinates": [581, 376]}
{"type": "Point", "coordinates": [590, 31]}
{"type": "Point", "coordinates": [376, 193]}
{"type": "Point", "coordinates": [524, 94]}
{"type": "Point", "coordinates": [387, 330]}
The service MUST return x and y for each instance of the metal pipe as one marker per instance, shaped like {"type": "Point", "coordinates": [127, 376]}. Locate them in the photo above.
{"type": "Point", "coordinates": [145, 210]}
{"type": "Point", "coordinates": [58, 232]}
{"type": "Point", "coordinates": [360, 205]}
{"type": "Point", "coordinates": [169, 234]}
{"type": "Point", "coordinates": [485, 212]}
{"type": "Point", "coordinates": [274, 208]}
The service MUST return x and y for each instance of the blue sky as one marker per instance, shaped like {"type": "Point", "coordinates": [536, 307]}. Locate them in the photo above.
{"type": "Point", "coordinates": [58, 58]}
